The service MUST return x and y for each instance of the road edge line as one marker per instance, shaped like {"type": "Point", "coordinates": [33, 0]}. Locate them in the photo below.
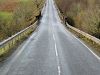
{"type": "Point", "coordinates": [86, 46]}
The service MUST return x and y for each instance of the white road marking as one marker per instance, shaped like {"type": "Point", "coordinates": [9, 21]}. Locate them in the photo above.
{"type": "Point", "coordinates": [87, 47]}
{"type": "Point", "coordinates": [59, 72]}
{"type": "Point", "coordinates": [55, 45]}
{"type": "Point", "coordinates": [8, 66]}
{"type": "Point", "coordinates": [56, 51]}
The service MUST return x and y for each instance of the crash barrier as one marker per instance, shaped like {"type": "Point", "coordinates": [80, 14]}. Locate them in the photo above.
{"type": "Point", "coordinates": [11, 42]}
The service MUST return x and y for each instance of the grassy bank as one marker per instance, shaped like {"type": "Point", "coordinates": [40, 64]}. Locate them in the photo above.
{"type": "Point", "coordinates": [15, 15]}
{"type": "Point", "coordinates": [82, 14]}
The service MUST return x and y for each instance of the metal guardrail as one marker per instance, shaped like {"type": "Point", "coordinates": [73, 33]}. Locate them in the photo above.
{"type": "Point", "coordinates": [9, 43]}
{"type": "Point", "coordinates": [86, 35]}
{"type": "Point", "coordinates": [91, 38]}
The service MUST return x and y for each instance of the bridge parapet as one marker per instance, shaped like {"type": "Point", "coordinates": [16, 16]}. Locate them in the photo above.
{"type": "Point", "coordinates": [12, 41]}
{"type": "Point", "coordinates": [93, 40]}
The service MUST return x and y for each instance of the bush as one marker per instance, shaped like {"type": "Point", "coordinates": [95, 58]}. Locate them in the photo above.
{"type": "Point", "coordinates": [13, 22]}
{"type": "Point", "coordinates": [84, 13]}
{"type": "Point", "coordinates": [89, 21]}
{"type": "Point", "coordinates": [5, 22]}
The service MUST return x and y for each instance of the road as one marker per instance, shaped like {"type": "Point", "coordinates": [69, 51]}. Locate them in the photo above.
{"type": "Point", "coordinates": [51, 50]}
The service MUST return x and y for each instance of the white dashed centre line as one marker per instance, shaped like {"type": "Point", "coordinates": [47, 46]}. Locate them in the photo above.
{"type": "Point", "coordinates": [57, 56]}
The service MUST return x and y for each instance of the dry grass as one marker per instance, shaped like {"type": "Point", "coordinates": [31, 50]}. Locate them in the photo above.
{"type": "Point", "coordinates": [8, 5]}
{"type": "Point", "coordinates": [84, 13]}
{"type": "Point", "coordinates": [15, 15]}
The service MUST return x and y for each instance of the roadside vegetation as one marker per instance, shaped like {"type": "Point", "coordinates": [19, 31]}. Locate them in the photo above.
{"type": "Point", "coordinates": [16, 14]}
{"type": "Point", "coordinates": [82, 14]}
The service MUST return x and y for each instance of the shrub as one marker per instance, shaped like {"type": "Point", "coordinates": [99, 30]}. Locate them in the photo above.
{"type": "Point", "coordinates": [84, 13]}
{"type": "Point", "coordinates": [13, 22]}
